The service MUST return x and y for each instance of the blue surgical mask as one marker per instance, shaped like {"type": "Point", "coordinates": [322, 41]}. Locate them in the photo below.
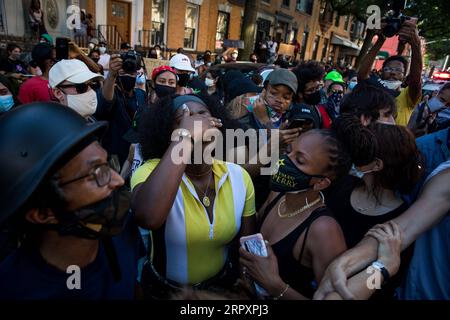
{"type": "Point", "coordinates": [141, 79]}
{"type": "Point", "coordinates": [435, 104]}
{"type": "Point", "coordinates": [352, 85]}
{"type": "Point", "coordinates": [6, 103]}
{"type": "Point", "coordinates": [354, 171]}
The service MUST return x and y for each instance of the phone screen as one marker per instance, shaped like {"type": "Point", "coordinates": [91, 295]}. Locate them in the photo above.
{"type": "Point", "coordinates": [62, 48]}
{"type": "Point", "coordinates": [305, 124]}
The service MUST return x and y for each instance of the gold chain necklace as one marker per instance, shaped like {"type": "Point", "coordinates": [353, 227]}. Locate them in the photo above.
{"type": "Point", "coordinates": [305, 207]}
{"type": "Point", "coordinates": [205, 200]}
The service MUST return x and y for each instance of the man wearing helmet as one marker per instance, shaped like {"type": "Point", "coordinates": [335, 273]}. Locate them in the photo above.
{"type": "Point", "coordinates": [66, 207]}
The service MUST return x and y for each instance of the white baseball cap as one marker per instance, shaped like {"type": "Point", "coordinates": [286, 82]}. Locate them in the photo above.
{"type": "Point", "coordinates": [72, 70]}
{"type": "Point", "coordinates": [181, 62]}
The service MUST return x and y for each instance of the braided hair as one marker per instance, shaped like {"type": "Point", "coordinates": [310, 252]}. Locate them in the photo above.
{"type": "Point", "coordinates": [339, 159]}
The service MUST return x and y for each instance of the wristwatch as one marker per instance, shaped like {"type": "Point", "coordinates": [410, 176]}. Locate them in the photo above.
{"type": "Point", "coordinates": [380, 267]}
{"type": "Point", "coordinates": [184, 133]}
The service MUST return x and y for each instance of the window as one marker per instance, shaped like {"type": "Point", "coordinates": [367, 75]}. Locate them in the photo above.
{"type": "Point", "coordinates": [324, 49]}
{"type": "Point", "coordinates": [304, 43]}
{"type": "Point", "coordinates": [305, 6]}
{"type": "Point", "coordinates": [286, 3]}
{"type": "Point", "coordinates": [190, 26]}
{"type": "Point", "coordinates": [353, 27]}
{"type": "Point", "coordinates": [338, 18]}
{"type": "Point", "coordinates": [223, 20]}
{"type": "Point", "coordinates": [315, 47]}
{"type": "Point", "coordinates": [118, 10]}
{"type": "Point", "coordinates": [347, 21]}
{"type": "Point", "coordinates": [158, 22]}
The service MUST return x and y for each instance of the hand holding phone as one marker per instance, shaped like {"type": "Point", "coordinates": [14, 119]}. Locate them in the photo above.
{"type": "Point", "coordinates": [62, 48]}
{"type": "Point", "coordinates": [305, 124]}
{"type": "Point", "coordinates": [255, 244]}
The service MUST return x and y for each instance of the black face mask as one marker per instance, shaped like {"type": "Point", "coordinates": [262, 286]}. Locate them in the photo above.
{"type": "Point", "coordinates": [183, 79]}
{"type": "Point", "coordinates": [110, 213]}
{"type": "Point", "coordinates": [163, 91]}
{"type": "Point", "coordinates": [95, 59]}
{"type": "Point", "coordinates": [289, 178]}
{"type": "Point", "coordinates": [312, 99]}
{"type": "Point", "coordinates": [127, 83]}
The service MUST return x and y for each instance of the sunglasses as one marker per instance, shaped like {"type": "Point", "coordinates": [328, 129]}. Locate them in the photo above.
{"type": "Point", "coordinates": [80, 87]}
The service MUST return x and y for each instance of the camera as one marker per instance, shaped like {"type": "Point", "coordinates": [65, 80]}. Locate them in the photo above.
{"type": "Point", "coordinates": [131, 61]}
{"type": "Point", "coordinates": [394, 18]}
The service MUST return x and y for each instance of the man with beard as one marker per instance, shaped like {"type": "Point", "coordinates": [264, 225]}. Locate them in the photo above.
{"type": "Point", "coordinates": [64, 206]}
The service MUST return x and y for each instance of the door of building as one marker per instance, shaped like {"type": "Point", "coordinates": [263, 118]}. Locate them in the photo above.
{"type": "Point", "coordinates": [119, 14]}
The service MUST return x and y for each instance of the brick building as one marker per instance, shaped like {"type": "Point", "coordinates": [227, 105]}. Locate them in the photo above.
{"type": "Point", "coordinates": [197, 25]}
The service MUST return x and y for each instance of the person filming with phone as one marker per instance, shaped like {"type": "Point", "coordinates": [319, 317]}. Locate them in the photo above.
{"type": "Point", "coordinates": [118, 101]}
{"type": "Point", "coordinates": [394, 70]}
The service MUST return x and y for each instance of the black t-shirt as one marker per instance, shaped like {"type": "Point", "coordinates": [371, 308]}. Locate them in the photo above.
{"type": "Point", "coordinates": [355, 225]}
{"type": "Point", "coordinates": [14, 66]}
{"type": "Point", "coordinates": [25, 275]}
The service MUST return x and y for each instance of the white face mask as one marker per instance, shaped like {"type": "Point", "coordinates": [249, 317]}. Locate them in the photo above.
{"type": "Point", "coordinates": [102, 50]}
{"type": "Point", "coordinates": [209, 82]}
{"type": "Point", "coordinates": [85, 104]}
{"type": "Point", "coordinates": [391, 84]}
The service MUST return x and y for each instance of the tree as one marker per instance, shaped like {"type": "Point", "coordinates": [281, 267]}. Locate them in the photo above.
{"type": "Point", "coordinates": [249, 27]}
{"type": "Point", "coordinates": [433, 17]}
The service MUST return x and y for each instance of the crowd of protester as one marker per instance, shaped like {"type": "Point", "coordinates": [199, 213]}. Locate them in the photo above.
{"type": "Point", "coordinates": [89, 177]}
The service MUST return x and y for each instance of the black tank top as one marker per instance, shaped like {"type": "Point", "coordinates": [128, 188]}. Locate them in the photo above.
{"type": "Point", "coordinates": [298, 276]}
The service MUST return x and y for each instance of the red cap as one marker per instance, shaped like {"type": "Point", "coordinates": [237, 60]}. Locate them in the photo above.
{"type": "Point", "coordinates": [157, 71]}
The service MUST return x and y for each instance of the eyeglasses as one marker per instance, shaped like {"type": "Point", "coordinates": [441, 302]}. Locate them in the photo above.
{"type": "Point", "coordinates": [337, 91]}
{"type": "Point", "coordinates": [388, 69]}
{"type": "Point", "coordinates": [80, 87]}
{"type": "Point", "coordinates": [101, 174]}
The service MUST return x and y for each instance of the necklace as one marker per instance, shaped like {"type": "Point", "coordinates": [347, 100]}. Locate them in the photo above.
{"type": "Point", "coordinates": [305, 207]}
{"type": "Point", "coordinates": [205, 200]}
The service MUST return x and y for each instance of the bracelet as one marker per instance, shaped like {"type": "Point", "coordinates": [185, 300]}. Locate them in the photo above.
{"type": "Point", "coordinates": [282, 293]}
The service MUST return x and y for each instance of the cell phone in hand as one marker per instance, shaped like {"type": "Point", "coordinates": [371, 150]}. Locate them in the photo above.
{"type": "Point", "coordinates": [305, 124]}
{"type": "Point", "coordinates": [255, 244]}
{"type": "Point", "coordinates": [62, 48]}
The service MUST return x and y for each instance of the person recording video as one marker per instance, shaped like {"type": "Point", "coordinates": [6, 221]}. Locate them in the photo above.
{"type": "Point", "coordinates": [119, 100]}
{"type": "Point", "coordinates": [395, 68]}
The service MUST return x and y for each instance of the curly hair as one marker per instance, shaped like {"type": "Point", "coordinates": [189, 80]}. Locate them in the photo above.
{"type": "Point", "coordinates": [157, 123]}
{"type": "Point", "coordinates": [306, 72]}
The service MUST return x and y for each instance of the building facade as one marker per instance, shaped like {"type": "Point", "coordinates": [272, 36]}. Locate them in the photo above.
{"type": "Point", "coordinates": [195, 25]}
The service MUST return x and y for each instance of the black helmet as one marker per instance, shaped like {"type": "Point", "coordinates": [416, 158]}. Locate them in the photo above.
{"type": "Point", "coordinates": [34, 137]}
